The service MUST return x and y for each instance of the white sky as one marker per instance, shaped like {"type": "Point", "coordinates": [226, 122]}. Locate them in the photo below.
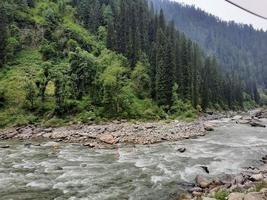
{"type": "Point", "coordinates": [228, 12]}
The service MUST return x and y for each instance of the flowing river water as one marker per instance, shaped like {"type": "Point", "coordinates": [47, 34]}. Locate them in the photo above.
{"type": "Point", "coordinates": [155, 172]}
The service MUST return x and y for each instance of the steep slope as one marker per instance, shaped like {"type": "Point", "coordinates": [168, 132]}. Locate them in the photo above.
{"type": "Point", "coordinates": [88, 60]}
{"type": "Point", "coordinates": [239, 48]}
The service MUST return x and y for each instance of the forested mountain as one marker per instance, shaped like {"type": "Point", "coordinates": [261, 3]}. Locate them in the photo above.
{"type": "Point", "coordinates": [83, 60]}
{"type": "Point", "coordinates": [239, 48]}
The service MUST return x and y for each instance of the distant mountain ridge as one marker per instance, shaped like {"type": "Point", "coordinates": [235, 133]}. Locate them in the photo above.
{"type": "Point", "coordinates": [239, 48]}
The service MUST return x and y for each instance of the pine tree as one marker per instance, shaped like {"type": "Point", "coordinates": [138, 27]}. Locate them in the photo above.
{"type": "Point", "coordinates": [162, 86]}
{"type": "Point", "coordinates": [3, 33]}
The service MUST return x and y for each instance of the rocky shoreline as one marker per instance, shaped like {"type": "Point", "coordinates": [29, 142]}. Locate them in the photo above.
{"type": "Point", "coordinates": [111, 134]}
{"type": "Point", "coordinates": [250, 184]}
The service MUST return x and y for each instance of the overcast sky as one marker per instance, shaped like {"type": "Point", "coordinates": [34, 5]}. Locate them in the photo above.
{"type": "Point", "coordinates": [228, 12]}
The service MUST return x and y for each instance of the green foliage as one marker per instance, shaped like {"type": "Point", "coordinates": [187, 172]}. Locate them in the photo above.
{"type": "Point", "coordinates": [30, 94]}
{"type": "Point", "coordinates": [113, 81]}
{"type": "Point", "coordinates": [180, 109]}
{"type": "Point", "coordinates": [87, 116]}
{"type": "Point", "coordinates": [48, 51]}
{"type": "Point", "coordinates": [51, 17]}
{"type": "Point", "coordinates": [13, 46]}
{"type": "Point", "coordinates": [82, 73]}
{"type": "Point", "coordinates": [91, 60]}
{"type": "Point", "coordinates": [260, 186]}
{"type": "Point", "coordinates": [60, 94]}
{"type": "Point", "coordinates": [72, 45]}
{"type": "Point", "coordinates": [221, 195]}
{"type": "Point", "coordinates": [141, 80]}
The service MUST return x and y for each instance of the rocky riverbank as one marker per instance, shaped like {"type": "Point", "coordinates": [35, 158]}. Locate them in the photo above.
{"type": "Point", "coordinates": [250, 184]}
{"type": "Point", "coordinates": [122, 132]}
{"type": "Point", "coordinates": [111, 134]}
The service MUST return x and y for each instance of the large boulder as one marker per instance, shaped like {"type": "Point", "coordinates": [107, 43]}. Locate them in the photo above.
{"type": "Point", "coordinates": [202, 182]}
{"type": "Point", "coordinates": [208, 127]}
{"type": "Point", "coordinates": [261, 114]}
{"type": "Point", "coordinates": [257, 177]}
{"type": "Point", "coordinates": [257, 124]}
{"type": "Point", "coordinates": [236, 196]}
{"type": "Point", "coordinates": [255, 196]}
{"type": "Point", "coordinates": [239, 179]}
{"type": "Point", "coordinates": [107, 138]}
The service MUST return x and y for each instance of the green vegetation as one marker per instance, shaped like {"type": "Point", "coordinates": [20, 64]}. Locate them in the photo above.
{"type": "Point", "coordinates": [221, 195]}
{"type": "Point", "coordinates": [260, 186]}
{"type": "Point", "coordinates": [91, 60]}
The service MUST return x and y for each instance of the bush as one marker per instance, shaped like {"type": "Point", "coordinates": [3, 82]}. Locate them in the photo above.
{"type": "Point", "coordinates": [48, 51]}
{"type": "Point", "coordinates": [221, 195]}
{"type": "Point", "coordinates": [54, 122]}
{"type": "Point", "coordinates": [86, 117]}
{"type": "Point", "coordinates": [182, 110]}
{"type": "Point", "coordinates": [31, 94]}
{"type": "Point", "coordinates": [13, 46]}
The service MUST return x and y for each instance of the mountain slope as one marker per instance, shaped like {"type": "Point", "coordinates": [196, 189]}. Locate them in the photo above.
{"type": "Point", "coordinates": [89, 60]}
{"type": "Point", "coordinates": [239, 48]}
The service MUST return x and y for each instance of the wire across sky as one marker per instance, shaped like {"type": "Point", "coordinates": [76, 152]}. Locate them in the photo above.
{"type": "Point", "coordinates": [251, 12]}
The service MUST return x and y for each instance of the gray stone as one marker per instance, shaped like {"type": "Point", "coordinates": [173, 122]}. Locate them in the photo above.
{"type": "Point", "coordinates": [202, 182]}
{"type": "Point", "coordinates": [181, 150]}
{"type": "Point", "coordinates": [257, 177]}
{"type": "Point", "coordinates": [208, 127]}
{"type": "Point", "coordinates": [255, 196]}
{"type": "Point", "coordinates": [236, 196]}
{"type": "Point", "coordinates": [5, 147]}
{"type": "Point", "coordinates": [196, 189]}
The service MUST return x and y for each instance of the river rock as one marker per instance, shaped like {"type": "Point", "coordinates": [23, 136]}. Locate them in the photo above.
{"type": "Point", "coordinates": [264, 190]}
{"type": "Point", "coordinates": [209, 127]}
{"type": "Point", "coordinates": [181, 150]}
{"type": "Point", "coordinates": [239, 179]}
{"type": "Point", "coordinates": [237, 117]}
{"type": "Point", "coordinates": [255, 196]}
{"type": "Point", "coordinates": [5, 147]}
{"type": "Point", "coordinates": [257, 124]}
{"type": "Point", "coordinates": [48, 130]}
{"type": "Point", "coordinates": [206, 169]}
{"type": "Point", "coordinates": [90, 145]}
{"type": "Point", "coordinates": [107, 138]}
{"type": "Point", "coordinates": [243, 121]}
{"type": "Point", "coordinates": [197, 194]}
{"type": "Point", "coordinates": [196, 189]}
{"type": "Point", "coordinates": [261, 114]}
{"type": "Point", "coordinates": [236, 196]}
{"type": "Point", "coordinates": [202, 182]}
{"type": "Point", "coordinates": [256, 177]}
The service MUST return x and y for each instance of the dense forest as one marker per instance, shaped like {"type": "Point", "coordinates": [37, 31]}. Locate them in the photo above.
{"type": "Point", "coordinates": [239, 48]}
{"type": "Point", "coordinates": [84, 60]}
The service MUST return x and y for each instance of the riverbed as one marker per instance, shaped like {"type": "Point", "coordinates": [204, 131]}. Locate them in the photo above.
{"type": "Point", "coordinates": [49, 170]}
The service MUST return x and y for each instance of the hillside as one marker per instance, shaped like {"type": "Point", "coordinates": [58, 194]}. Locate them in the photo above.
{"type": "Point", "coordinates": [239, 48]}
{"type": "Point", "coordinates": [89, 60]}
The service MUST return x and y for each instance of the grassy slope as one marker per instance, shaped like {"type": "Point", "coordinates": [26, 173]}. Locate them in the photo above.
{"type": "Point", "coordinates": [27, 64]}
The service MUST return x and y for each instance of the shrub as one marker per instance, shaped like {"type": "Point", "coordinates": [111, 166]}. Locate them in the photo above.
{"type": "Point", "coordinates": [31, 94]}
{"type": "Point", "coordinates": [13, 46]}
{"type": "Point", "coordinates": [48, 51]}
{"type": "Point", "coordinates": [221, 195]}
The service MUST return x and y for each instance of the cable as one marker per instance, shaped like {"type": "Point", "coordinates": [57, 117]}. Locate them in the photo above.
{"type": "Point", "coordinates": [253, 13]}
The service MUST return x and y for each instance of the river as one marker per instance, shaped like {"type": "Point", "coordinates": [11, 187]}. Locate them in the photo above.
{"type": "Point", "coordinates": [137, 173]}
